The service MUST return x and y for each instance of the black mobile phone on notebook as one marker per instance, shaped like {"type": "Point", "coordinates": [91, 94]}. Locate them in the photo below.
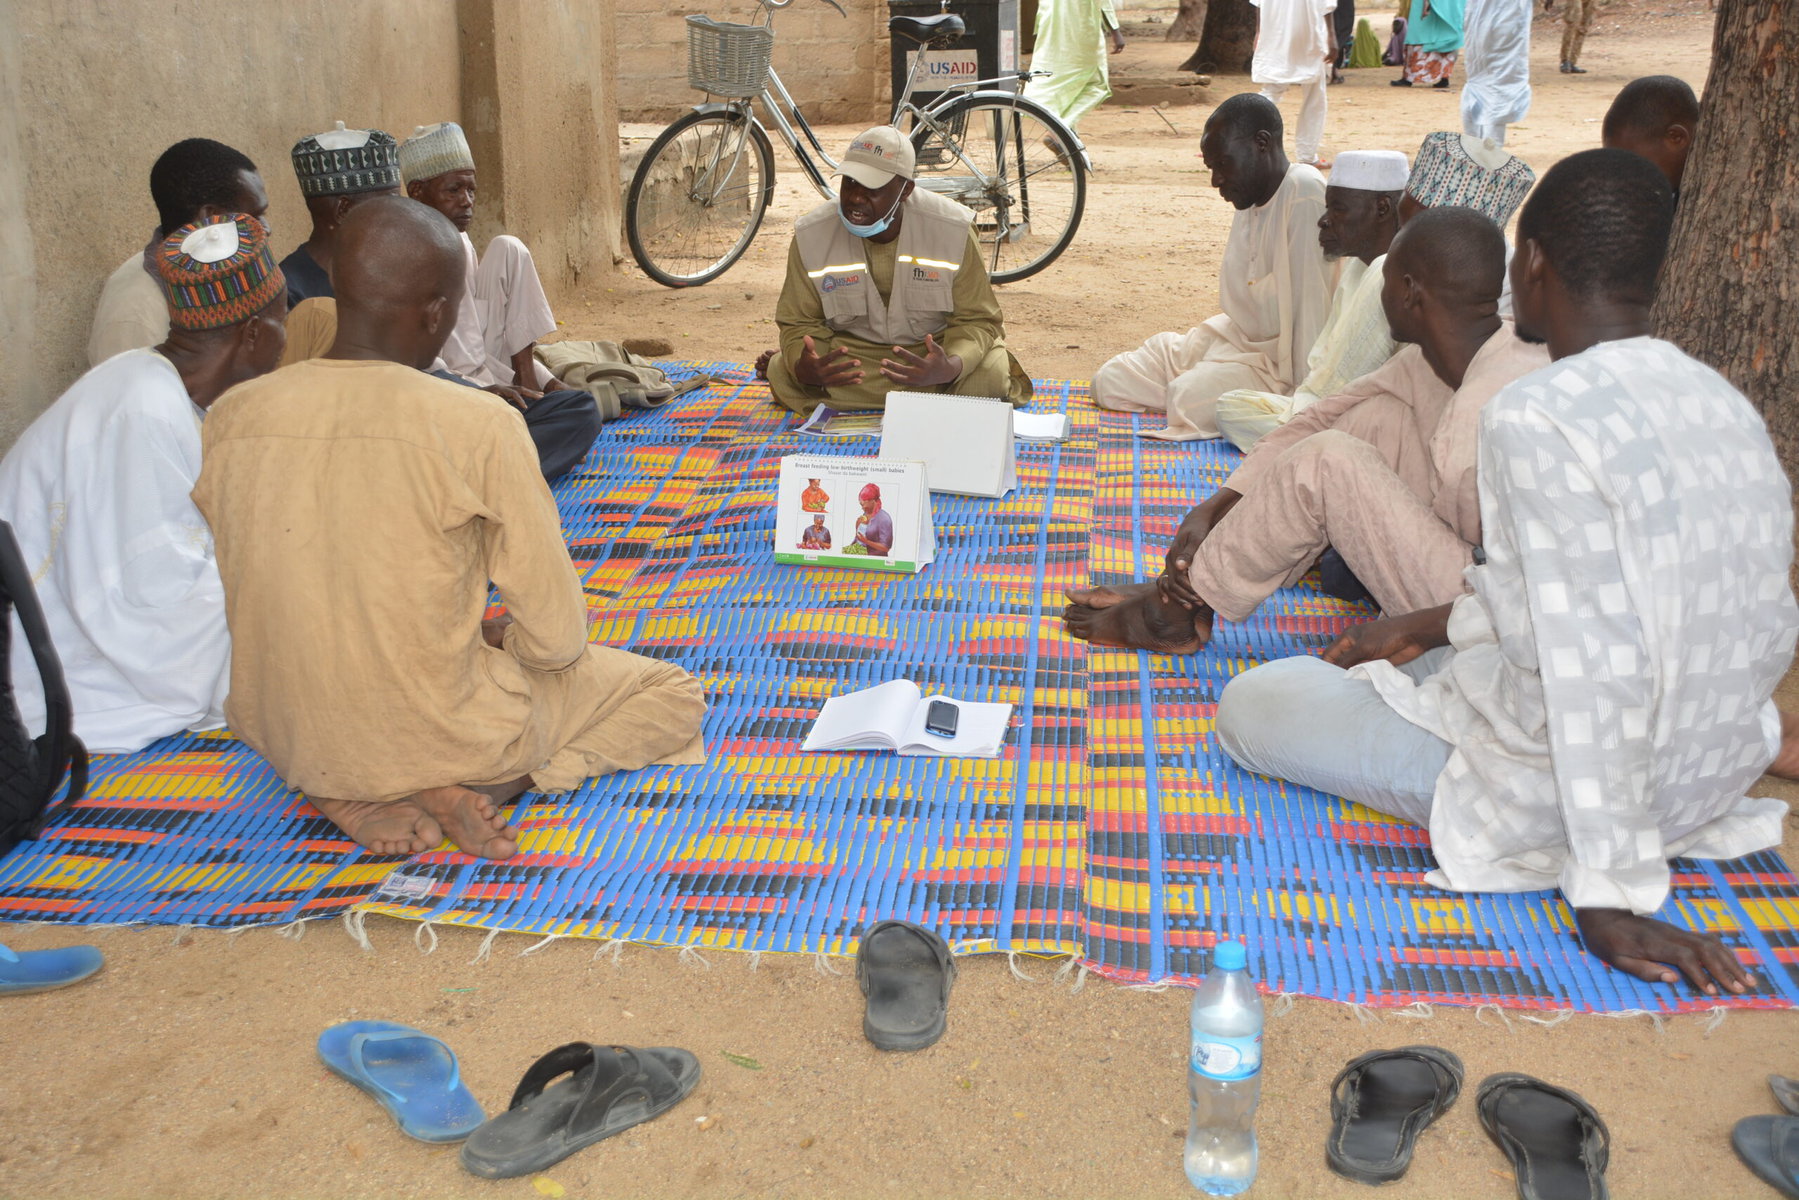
{"type": "Point", "coordinates": [940, 719]}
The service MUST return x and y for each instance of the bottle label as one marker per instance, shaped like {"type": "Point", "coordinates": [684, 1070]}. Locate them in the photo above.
{"type": "Point", "coordinates": [1227, 1058]}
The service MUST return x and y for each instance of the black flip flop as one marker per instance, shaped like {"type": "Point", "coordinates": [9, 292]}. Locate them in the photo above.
{"type": "Point", "coordinates": [1786, 1092]}
{"type": "Point", "coordinates": [905, 971]}
{"type": "Point", "coordinates": [609, 1089]}
{"type": "Point", "coordinates": [1380, 1103]}
{"type": "Point", "coordinates": [1769, 1146]}
{"type": "Point", "coordinates": [1555, 1140]}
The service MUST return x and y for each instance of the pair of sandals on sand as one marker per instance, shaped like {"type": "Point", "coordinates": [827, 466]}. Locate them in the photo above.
{"type": "Point", "coordinates": [572, 1097]}
{"type": "Point", "coordinates": [580, 1094]}
{"type": "Point", "coordinates": [1382, 1100]}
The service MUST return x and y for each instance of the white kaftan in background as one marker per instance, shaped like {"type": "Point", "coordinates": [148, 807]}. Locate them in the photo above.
{"type": "Point", "coordinates": [1496, 56]}
{"type": "Point", "coordinates": [1275, 288]}
{"type": "Point", "coordinates": [1292, 49]}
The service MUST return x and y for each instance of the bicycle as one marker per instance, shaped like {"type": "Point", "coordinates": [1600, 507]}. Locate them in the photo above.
{"type": "Point", "coordinates": [700, 193]}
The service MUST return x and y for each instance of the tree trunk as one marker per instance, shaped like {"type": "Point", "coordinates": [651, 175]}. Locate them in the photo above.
{"type": "Point", "coordinates": [1731, 281]}
{"type": "Point", "coordinates": [1229, 39]}
{"type": "Point", "coordinates": [1188, 24]}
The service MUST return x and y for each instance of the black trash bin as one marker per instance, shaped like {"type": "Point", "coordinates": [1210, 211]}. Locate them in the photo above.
{"type": "Point", "coordinates": [988, 50]}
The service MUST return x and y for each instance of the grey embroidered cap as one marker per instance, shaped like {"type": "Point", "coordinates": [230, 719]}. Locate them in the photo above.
{"type": "Point", "coordinates": [346, 162]}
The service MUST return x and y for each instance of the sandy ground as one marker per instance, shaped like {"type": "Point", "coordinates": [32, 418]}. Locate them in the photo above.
{"type": "Point", "coordinates": [186, 1069]}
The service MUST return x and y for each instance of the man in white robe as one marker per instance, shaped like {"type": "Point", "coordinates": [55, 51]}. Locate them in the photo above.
{"type": "Point", "coordinates": [1296, 40]}
{"type": "Point", "coordinates": [1274, 285]}
{"type": "Point", "coordinates": [1071, 45]}
{"type": "Point", "coordinates": [96, 491]}
{"type": "Point", "coordinates": [1496, 56]}
{"type": "Point", "coordinates": [504, 310]}
{"type": "Point", "coordinates": [1602, 696]}
{"type": "Point", "coordinates": [193, 180]}
{"type": "Point", "coordinates": [1361, 215]}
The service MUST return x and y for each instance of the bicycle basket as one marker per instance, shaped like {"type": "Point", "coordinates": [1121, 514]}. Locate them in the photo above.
{"type": "Point", "coordinates": [726, 59]}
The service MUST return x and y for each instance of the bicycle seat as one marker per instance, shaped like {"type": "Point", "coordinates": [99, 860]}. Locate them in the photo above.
{"type": "Point", "coordinates": [947, 27]}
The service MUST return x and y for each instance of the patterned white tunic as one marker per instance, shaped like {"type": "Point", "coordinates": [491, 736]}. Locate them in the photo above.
{"type": "Point", "coordinates": [1609, 698]}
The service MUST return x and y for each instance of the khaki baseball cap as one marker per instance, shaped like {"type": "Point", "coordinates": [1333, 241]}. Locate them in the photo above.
{"type": "Point", "coordinates": [877, 155]}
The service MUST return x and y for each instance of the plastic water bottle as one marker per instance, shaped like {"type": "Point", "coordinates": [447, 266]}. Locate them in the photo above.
{"type": "Point", "coordinates": [1224, 1076]}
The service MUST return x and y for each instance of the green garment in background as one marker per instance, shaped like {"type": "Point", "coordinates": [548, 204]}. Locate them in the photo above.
{"type": "Point", "coordinates": [1438, 30]}
{"type": "Point", "coordinates": [1366, 48]}
{"type": "Point", "coordinates": [1071, 43]}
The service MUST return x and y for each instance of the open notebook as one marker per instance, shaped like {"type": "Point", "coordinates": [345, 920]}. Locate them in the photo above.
{"type": "Point", "coordinates": [891, 716]}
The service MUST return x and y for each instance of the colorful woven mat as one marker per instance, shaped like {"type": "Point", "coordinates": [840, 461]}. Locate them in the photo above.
{"type": "Point", "coordinates": [1111, 828]}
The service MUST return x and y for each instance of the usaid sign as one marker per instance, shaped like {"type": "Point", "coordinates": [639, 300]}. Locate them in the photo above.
{"type": "Point", "coordinates": [945, 68]}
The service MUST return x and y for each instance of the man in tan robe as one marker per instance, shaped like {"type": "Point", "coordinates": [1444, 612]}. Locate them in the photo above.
{"type": "Point", "coordinates": [1274, 284]}
{"type": "Point", "coordinates": [360, 509]}
{"type": "Point", "coordinates": [1384, 471]}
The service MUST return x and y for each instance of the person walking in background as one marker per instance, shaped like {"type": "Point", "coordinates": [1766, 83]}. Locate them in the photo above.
{"type": "Point", "coordinates": [1577, 21]}
{"type": "Point", "coordinates": [1071, 44]}
{"type": "Point", "coordinates": [1343, 21]}
{"type": "Point", "coordinates": [1296, 42]}
{"type": "Point", "coordinates": [1433, 36]}
{"type": "Point", "coordinates": [1496, 80]}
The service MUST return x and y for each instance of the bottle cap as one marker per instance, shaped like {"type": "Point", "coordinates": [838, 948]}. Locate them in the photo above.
{"type": "Point", "coordinates": [1230, 956]}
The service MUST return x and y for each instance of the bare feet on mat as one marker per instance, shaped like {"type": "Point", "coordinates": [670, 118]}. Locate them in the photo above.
{"type": "Point", "coordinates": [471, 819]}
{"type": "Point", "coordinates": [390, 827]}
{"type": "Point", "coordinates": [1135, 617]}
{"type": "Point", "coordinates": [762, 361]}
{"type": "Point", "coordinates": [1786, 763]}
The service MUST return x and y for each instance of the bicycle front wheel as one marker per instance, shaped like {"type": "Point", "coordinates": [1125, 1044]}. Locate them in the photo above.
{"type": "Point", "coordinates": [1015, 165]}
{"type": "Point", "coordinates": [698, 197]}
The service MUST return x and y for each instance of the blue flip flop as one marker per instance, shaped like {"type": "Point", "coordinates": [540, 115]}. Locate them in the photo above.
{"type": "Point", "coordinates": [412, 1074]}
{"type": "Point", "coordinates": [23, 971]}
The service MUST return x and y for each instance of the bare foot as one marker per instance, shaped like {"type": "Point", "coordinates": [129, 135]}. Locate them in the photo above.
{"type": "Point", "coordinates": [1135, 617]}
{"type": "Point", "coordinates": [1786, 763]}
{"type": "Point", "coordinates": [762, 361]}
{"type": "Point", "coordinates": [471, 819]}
{"type": "Point", "coordinates": [390, 827]}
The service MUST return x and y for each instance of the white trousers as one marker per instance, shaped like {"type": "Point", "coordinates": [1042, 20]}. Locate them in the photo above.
{"type": "Point", "coordinates": [1308, 135]}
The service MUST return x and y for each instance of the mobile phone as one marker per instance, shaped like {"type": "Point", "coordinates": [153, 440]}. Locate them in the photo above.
{"type": "Point", "coordinates": [940, 719]}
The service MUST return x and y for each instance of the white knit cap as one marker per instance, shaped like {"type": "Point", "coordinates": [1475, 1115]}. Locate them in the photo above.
{"type": "Point", "coordinates": [434, 149]}
{"type": "Point", "coordinates": [1369, 171]}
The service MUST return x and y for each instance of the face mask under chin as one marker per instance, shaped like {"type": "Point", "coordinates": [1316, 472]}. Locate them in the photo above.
{"type": "Point", "coordinates": [875, 228]}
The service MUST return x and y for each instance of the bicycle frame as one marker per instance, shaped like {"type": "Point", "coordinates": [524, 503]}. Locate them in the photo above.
{"type": "Point", "coordinates": [791, 124]}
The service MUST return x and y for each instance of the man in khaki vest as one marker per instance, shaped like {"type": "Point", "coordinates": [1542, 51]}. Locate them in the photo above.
{"type": "Point", "coordinates": [886, 290]}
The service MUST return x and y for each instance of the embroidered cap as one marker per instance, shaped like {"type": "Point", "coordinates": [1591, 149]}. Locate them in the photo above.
{"type": "Point", "coordinates": [346, 162]}
{"type": "Point", "coordinates": [218, 272]}
{"type": "Point", "coordinates": [1446, 173]}
{"type": "Point", "coordinates": [1370, 171]}
{"type": "Point", "coordinates": [434, 149]}
{"type": "Point", "coordinates": [877, 155]}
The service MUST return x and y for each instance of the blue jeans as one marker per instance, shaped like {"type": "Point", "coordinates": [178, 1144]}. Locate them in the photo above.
{"type": "Point", "coordinates": [1306, 721]}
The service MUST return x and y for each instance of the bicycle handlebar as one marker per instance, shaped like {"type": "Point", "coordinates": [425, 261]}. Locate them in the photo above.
{"type": "Point", "coordinates": [785, 3]}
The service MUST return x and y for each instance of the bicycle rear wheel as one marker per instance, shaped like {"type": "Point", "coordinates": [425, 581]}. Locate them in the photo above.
{"type": "Point", "coordinates": [698, 197]}
{"type": "Point", "coordinates": [1016, 166]}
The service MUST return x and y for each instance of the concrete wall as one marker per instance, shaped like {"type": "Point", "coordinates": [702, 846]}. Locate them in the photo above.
{"type": "Point", "coordinates": [93, 90]}
{"type": "Point", "coordinates": [836, 67]}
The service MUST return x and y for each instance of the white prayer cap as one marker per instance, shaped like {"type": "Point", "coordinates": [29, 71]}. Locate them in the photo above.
{"type": "Point", "coordinates": [434, 149]}
{"type": "Point", "coordinates": [211, 243]}
{"type": "Point", "coordinates": [1371, 171]}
